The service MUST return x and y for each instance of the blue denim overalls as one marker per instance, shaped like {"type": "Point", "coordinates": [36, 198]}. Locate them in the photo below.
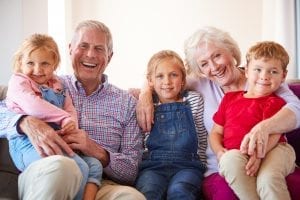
{"type": "Point", "coordinates": [171, 168]}
{"type": "Point", "coordinates": [23, 153]}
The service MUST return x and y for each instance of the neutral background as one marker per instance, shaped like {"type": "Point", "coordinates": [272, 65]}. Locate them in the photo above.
{"type": "Point", "coordinates": [142, 27]}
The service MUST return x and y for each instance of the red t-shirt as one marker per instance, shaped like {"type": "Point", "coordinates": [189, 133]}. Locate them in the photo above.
{"type": "Point", "coordinates": [238, 115]}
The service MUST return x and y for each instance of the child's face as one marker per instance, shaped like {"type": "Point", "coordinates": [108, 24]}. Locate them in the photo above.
{"type": "Point", "coordinates": [167, 81]}
{"type": "Point", "coordinates": [264, 76]}
{"type": "Point", "coordinates": [39, 65]}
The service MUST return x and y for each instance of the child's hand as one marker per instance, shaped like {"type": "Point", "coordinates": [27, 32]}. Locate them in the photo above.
{"type": "Point", "coordinates": [69, 126]}
{"type": "Point", "coordinates": [220, 154]}
{"type": "Point", "coordinates": [253, 165]}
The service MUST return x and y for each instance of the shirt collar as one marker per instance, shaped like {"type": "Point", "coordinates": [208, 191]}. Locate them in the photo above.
{"type": "Point", "coordinates": [76, 84]}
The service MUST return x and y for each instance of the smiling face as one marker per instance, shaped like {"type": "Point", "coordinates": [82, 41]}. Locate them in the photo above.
{"type": "Point", "coordinates": [39, 65]}
{"type": "Point", "coordinates": [264, 76]}
{"type": "Point", "coordinates": [89, 55]}
{"type": "Point", "coordinates": [216, 64]}
{"type": "Point", "coordinates": [167, 80]}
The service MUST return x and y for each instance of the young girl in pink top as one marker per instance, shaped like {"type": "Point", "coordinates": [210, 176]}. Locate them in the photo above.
{"type": "Point", "coordinates": [35, 90]}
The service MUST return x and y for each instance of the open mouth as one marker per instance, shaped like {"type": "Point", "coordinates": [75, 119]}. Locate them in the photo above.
{"type": "Point", "coordinates": [89, 65]}
{"type": "Point", "coordinates": [220, 73]}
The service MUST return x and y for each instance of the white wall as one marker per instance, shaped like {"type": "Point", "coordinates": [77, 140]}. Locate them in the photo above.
{"type": "Point", "coordinates": [139, 27]}
{"type": "Point", "coordinates": [18, 19]}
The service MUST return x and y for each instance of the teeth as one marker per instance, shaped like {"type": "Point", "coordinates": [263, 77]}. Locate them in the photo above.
{"type": "Point", "coordinates": [89, 64]}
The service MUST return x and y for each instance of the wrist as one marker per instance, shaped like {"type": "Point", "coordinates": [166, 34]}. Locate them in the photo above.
{"type": "Point", "coordinates": [19, 124]}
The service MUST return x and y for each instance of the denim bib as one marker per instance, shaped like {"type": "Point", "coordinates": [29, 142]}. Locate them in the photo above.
{"type": "Point", "coordinates": [55, 98]}
{"type": "Point", "coordinates": [173, 135]}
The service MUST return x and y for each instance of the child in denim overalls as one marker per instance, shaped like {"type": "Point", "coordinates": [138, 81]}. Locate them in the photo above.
{"type": "Point", "coordinates": [34, 90]}
{"type": "Point", "coordinates": [174, 163]}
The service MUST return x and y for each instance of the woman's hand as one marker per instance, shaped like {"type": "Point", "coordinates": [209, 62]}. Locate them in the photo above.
{"type": "Point", "coordinates": [255, 141]}
{"type": "Point", "coordinates": [145, 110]}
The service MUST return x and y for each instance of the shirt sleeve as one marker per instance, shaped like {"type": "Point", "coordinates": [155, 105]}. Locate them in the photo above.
{"type": "Point", "coordinates": [22, 98]}
{"type": "Point", "coordinates": [123, 166]}
{"type": "Point", "coordinates": [292, 101]}
{"type": "Point", "coordinates": [197, 107]}
{"type": "Point", "coordinates": [9, 121]}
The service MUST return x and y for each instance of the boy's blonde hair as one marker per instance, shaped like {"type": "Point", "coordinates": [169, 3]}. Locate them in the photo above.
{"type": "Point", "coordinates": [34, 42]}
{"type": "Point", "coordinates": [268, 50]}
{"type": "Point", "coordinates": [160, 56]}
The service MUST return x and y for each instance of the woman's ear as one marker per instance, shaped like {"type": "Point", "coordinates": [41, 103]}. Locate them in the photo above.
{"type": "Point", "coordinates": [246, 71]}
{"type": "Point", "coordinates": [284, 75]}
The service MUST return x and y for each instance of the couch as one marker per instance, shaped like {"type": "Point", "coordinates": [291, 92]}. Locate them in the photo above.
{"type": "Point", "coordinates": [9, 173]}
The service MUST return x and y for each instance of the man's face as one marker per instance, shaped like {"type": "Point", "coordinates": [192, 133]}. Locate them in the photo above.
{"type": "Point", "coordinates": [89, 55]}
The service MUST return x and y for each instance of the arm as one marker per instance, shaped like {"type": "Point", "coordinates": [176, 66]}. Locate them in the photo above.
{"type": "Point", "coordinates": [197, 107]}
{"type": "Point", "coordinates": [216, 140]}
{"type": "Point", "coordinates": [9, 121]}
{"type": "Point", "coordinates": [22, 96]}
{"type": "Point", "coordinates": [286, 119]}
{"type": "Point", "coordinates": [145, 108]}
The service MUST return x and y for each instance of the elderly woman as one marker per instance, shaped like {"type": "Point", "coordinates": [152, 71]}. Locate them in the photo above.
{"type": "Point", "coordinates": [212, 59]}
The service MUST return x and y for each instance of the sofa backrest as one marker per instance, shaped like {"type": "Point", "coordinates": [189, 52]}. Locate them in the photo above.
{"type": "Point", "coordinates": [293, 137]}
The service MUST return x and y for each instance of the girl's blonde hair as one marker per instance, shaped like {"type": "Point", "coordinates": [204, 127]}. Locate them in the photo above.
{"type": "Point", "coordinates": [268, 50]}
{"type": "Point", "coordinates": [34, 42]}
{"type": "Point", "coordinates": [160, 56]}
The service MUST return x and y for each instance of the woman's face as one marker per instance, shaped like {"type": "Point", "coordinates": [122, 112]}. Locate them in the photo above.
{"type": "Point", "coordinates": [216, 64]}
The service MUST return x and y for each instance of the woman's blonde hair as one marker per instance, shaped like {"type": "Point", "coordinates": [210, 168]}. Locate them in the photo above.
{"type": "Point", "coordinates": [34, 42]}
{"type": "Point", "coordinates": [268, 50]}
{"type": "Point", "coordinates": [213, 36]}
{"type": "Point", "coordinates": [160, 56]}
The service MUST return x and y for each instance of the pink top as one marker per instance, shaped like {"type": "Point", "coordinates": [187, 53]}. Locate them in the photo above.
{"type": "Point", "coordinates": [24, 97]}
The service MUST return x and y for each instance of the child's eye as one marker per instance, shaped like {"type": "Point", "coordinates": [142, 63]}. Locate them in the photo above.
{"type": "Point", "coordinates": [274, 72]}
{"type": "Point", "coordinates": [257, 69]}
{"type": "Point", "coordinates": [174, 75]}
{"type": "Point", "coordinates": [159, 76]}
{"type": "Point", "coordinates": [45, 64]}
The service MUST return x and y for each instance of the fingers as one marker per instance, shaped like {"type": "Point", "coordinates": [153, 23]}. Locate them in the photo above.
{"type": "Point", "coordinates": [244, 144]}
{"type": "Point", "coordinates": [261, 148]}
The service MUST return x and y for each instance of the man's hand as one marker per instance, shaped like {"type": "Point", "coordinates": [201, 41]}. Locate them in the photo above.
{"type": "Point", "coordinates": [79, 140]}
{"type": "Point", "coordinates": [255, 141]}
{"type": "Point", "coordinates": [44, 139]}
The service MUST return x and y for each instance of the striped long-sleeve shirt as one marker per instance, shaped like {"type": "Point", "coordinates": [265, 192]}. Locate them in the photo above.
{"type": "Point", "coordinates": [197, 107]}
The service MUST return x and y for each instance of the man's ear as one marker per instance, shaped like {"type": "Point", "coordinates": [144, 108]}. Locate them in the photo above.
{"type": "Point", "coordinates": [110, 56]}
{"type": "Point", "coordinates": [70, 50]}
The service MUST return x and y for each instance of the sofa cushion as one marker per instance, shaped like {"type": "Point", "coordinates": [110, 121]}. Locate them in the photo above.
{"type": "Point", "coordinates": [8, 173]}
{"type": "Point", "coordinates": [293, 137]}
